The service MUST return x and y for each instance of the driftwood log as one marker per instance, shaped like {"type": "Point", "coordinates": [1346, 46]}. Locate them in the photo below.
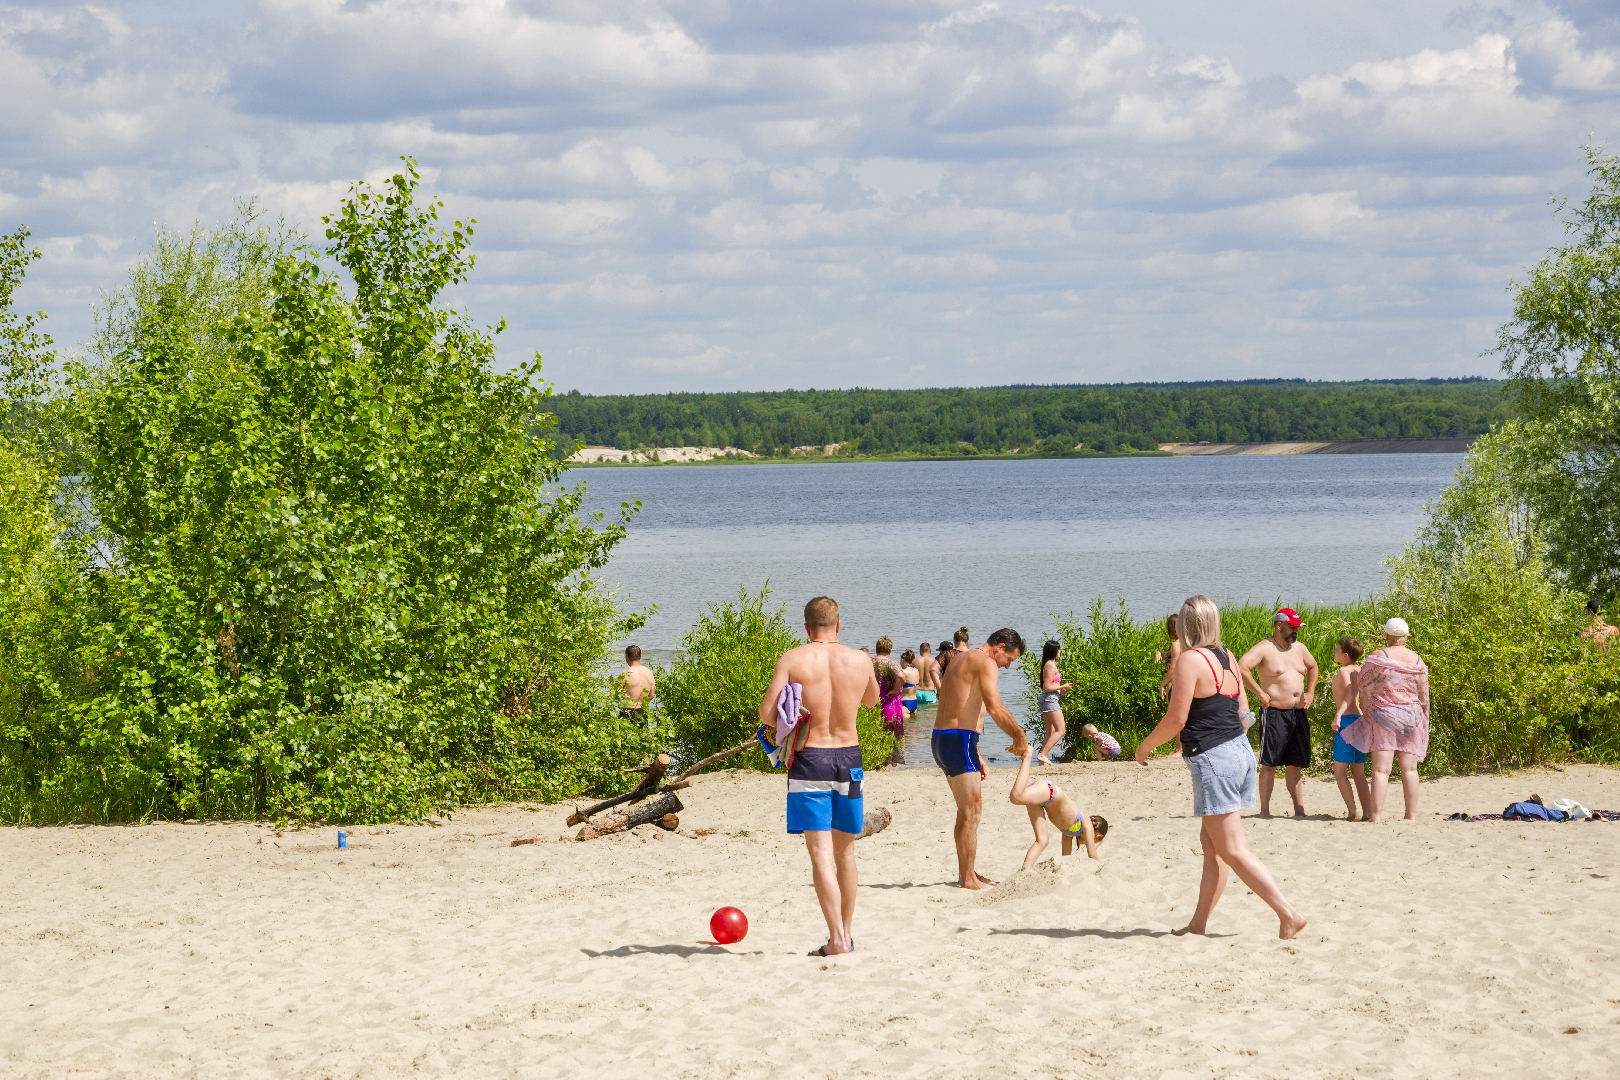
{"type": "Point", "coordinates": [876, 821]}
{"type": "Point", "coordinates": [655, 803]}
{"type": "Point", "coordinates": [649, 784]}
{"type": "Point", "coordinates": [660, 810]}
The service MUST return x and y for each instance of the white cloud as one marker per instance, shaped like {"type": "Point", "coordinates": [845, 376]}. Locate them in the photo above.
{"type": "Point", "coordinates": [686, 194]}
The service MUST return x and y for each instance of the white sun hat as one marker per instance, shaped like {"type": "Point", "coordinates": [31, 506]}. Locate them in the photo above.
{"type": "Point", "coordinates": [1397, 628]}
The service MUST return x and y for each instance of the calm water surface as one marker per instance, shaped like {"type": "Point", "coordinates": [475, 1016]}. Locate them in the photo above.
{"type": "Point", "coordinates": [915, 549]}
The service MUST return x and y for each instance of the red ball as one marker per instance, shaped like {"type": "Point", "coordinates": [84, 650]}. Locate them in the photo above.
{"type": "Point", "coordinates": [728, 925]}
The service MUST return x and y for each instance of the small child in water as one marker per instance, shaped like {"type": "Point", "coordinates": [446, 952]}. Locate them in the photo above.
{"type": "Point", "coordinates": [1045, 800]}
{"type": "Point", "coordinates": [1103, 745]}
{"type": "Point", "coordinates": [1347, 654]}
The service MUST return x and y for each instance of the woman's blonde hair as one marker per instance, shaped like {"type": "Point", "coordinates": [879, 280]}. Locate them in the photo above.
{"type": "Point", "coordinates": [885, 645]}
{"type": "Point", "coordinates": [1198, 623]}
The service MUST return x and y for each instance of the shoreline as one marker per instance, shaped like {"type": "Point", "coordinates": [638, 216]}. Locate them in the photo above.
{"type": "Point", "coordinates": [1181, 450]}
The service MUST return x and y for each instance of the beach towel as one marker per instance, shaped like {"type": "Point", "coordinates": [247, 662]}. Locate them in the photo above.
{"type": "Point", "coordinates": [1532, 811]}
{"type": "Point", "coordinates": [790, 734]}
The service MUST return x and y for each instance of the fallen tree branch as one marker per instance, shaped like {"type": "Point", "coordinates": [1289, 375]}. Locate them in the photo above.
{"type": "Point", "coordinates": [649, 784]}
{"type": "Point", "coordinates": [660, 810]}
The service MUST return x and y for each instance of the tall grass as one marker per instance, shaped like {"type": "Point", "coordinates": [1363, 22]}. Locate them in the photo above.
{"type": "Point", "coordinates": [1511, 683]}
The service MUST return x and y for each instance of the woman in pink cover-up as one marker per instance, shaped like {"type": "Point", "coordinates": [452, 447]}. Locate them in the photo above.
{"type": "Point", "coordinates": [1393, 691]}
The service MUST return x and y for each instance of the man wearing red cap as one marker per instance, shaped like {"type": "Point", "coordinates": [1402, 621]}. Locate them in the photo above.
{"type": "Point", "coordinates": [1286, 686]}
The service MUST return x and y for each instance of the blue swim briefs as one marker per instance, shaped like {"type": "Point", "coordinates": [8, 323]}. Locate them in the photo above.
{"type": "Point", "coordinates": [824, 790]}
{"type": "Point", "coordinates": [911, 706]}
{"type": "Point", "coordinates": [1343, 752]}
{"type": "Point", "coordinates": [956, 751]}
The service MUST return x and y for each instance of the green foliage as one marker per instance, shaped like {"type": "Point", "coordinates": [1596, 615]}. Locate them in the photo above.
{"type": "Point", "coordinates": [1038, 421]}
{"type": "Point", "coordinates": [1510, 680]}
{"type": "Point", "coordinates": [25, 351]}
{"type": "Point", "coordinates": [1109, 658]}
{"type": "Point", "coordinates": [1561, 352]}
{"type": "Point", "coordinates": [334, 574]}
{"type": "Point", "coordinates": [711, 692]}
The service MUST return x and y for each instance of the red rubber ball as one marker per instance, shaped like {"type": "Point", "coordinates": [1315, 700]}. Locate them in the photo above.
{"type": "Point", "coordinates": [728, 925]}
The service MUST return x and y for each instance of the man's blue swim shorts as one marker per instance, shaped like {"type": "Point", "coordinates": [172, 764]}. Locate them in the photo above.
{"type": "Point", "coordinates": [824, 790]}
{"type": "Point", "coordinates": [956, 751]}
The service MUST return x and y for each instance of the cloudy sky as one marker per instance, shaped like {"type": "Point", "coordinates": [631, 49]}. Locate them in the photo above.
{"type": "Point", "coordinates": [723, 194]}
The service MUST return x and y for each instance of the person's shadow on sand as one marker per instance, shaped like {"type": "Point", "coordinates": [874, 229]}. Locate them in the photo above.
{"type": "Point", "coordinates": [712, 949]}
{"type": "Point", "coordinates": [1067, 932]}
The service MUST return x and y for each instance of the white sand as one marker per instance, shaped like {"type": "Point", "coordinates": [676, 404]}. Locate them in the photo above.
{"type": "Point", "coordinates": [1435, 948]}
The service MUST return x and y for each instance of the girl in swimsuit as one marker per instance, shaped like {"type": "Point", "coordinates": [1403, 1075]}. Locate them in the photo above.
{"type": "Point", "coordinates": [1050, 702]}
{"type": "Point", "coordinates": [1047, 802]}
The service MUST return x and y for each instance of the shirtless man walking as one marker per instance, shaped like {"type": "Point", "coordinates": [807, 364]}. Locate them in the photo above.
{"type": "Point", "coordinates": [1286, 686]}
{"type": "Point", "coordinates": [824, 797]}
{"type": "Point", "coordinates": [966, 693]}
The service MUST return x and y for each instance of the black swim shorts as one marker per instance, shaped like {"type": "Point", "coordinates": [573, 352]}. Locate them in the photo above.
{"type": "Point", "coordinates": [1285, 738]}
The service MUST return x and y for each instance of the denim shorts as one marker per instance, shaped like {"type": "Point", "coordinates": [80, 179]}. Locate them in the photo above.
{"type": "Point", "coordinates": [1223, 780]}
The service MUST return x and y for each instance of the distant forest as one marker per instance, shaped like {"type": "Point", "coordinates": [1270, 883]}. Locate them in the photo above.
{"type": "Point", "coordinates": [1043, 420]}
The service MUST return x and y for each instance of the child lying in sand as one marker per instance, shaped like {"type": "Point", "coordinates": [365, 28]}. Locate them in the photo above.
{"type": "Point", "coordinates": [1044, 800]}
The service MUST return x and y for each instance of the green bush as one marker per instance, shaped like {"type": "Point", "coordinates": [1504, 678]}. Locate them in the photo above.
{"type": "Point", "coordinates": [712, 690]}
{"type": "Point", "coordinates": [1511, 683]}
{"type": "Point", "coordinates": [334, 574]}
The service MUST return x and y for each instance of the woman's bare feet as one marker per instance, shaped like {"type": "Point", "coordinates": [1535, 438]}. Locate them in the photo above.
{"type": "Point", "coordinates": [1042, 761]}
{"type": "Point", "coordinates": [1188, 929]}
{"type": "Point", "coordinates": [1288, 927]}
{"type": "Point", "coordinates": [831, 949]}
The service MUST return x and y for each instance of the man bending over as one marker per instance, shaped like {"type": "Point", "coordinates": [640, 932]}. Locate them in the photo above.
{"type": "Point", "coordinates": [967, 691]}
{"type": "Point", "coordinates": [824, 782]}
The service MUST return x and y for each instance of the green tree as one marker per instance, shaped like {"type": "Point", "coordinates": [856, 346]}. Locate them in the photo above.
{"type": "Point", "coordinates": [1561, 352]}
{"type": "Point", "coordinates": [336, 575]}
{"type": "Point", "coordinates": [1509, 677]}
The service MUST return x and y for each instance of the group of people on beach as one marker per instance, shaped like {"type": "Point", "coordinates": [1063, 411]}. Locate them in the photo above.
{"type": "Point", "coordinates": [808, 717]}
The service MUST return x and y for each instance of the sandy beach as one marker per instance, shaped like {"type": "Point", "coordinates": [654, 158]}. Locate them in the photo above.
{"type": "Point", "coordinates": [1435, 948]}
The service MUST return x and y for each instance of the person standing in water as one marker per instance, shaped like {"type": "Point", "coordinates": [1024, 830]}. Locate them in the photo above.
{"type": "Point", "coordinates": [1050, 704]}
{"type": "Point", "coordinates": [1205, 699]}
{"type": "Point", "coordinates": [927, 676]}
{"type": "Point", "coordinates": [1286, 686]}
{"type": "Point", "coordinates": [824, 784]}
{"type": "Point", "coordinates": [968, 691]}
{"type": "Point", "coordinates": [908, 670]}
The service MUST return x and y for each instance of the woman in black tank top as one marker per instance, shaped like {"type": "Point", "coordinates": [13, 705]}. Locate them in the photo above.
{"type": "Point", "coordinates": [1207, 707]}
{"type": "Point", "coordinates": [1215, 719]}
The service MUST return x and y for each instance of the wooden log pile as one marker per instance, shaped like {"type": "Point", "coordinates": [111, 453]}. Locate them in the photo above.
{"type": "Point", "coordinates": [653, 801]}
{"type": "Point", "coordinates": [661, 808]}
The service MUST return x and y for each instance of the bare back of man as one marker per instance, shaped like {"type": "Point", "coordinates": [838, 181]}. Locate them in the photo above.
{"type": "Point", "coordinates": [638, 684]}
{"type": "Point", "coordinates": [825, 781]}
{"type": "Point", "coordinates": [1282, 673]}
{"type": "Point", "coordinates": [966, 693]}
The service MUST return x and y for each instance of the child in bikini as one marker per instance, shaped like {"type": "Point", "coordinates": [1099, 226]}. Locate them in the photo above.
{"type": "Point", "coordinates": [1046, 801]}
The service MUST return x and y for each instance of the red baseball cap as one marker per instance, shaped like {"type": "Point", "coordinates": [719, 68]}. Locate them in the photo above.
{"type": "Point", "coordinates": [1289, 616]}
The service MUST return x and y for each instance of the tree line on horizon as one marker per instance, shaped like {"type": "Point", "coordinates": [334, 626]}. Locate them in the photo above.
{"type": "Point", "coordinates": [1041, 420]}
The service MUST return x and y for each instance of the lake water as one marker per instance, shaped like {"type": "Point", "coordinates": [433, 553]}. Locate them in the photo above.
{"type": "Point", "coordinates": [915, 549]}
